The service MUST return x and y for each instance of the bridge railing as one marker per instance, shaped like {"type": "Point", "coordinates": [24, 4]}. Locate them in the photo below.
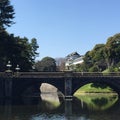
{"type": "Point", "coordinates": [96, 74]}
{"type": "Point", "coordinates": [40, 74]}
{"type": "Point", "coordinates": [59, 74]}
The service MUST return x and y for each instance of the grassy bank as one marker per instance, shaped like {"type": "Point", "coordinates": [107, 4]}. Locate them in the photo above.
{"type": "Point", "coordinates": [92, 88]}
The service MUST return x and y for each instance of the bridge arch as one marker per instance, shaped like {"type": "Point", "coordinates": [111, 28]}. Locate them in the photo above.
{"type": "Point", "coordinates": [30, 86]}
{"type": "Point", "coordinates": [25, 86]}
{"type": "Point", "coordinates": [114, 83]}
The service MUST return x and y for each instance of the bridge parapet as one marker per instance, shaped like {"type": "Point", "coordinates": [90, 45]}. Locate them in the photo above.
{"type": "Point", "coordinates": [95, 74]}
{"type": "Point", "coordinates": [40, 74]}
{"type": "Point", "coordinates": [6, 74]}
{"type": "Point", "coordinates": [62, 74]}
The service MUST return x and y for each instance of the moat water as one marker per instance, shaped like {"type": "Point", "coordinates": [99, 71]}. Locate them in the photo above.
{"type": "Point", "coordinates": [50, 107]}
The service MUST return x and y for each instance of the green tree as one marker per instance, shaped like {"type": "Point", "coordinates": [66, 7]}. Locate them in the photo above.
{"type": "Point", "coordinates": [6, 14]}
{"type": "Point", "coordinates": [94, 60]}
{"type": "Point", "coordinates": [98, 58]}
{"type": "Point", "coordinates": [88, 61]}
{"type": "Point", "coordinates": [4, 36]}
{"type": "Point", "coordinates": [25, 53]}
{"type": "Point", "coordinates": [34, 47]}
{"type": "Point", "coordinates": [103, 57]}
{"type": "Point", "coordinates": [112, 50]}
{"type": "Point", "coordinates": [47, 64]}
{"type": "Point", "coordinates": [17, 50]}
{"type": "Point", "coordinates": [80, 68]}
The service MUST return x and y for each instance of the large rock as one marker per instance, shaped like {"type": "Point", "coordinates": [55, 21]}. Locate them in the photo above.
{"type": "Point", "coordinates": [47, 88]}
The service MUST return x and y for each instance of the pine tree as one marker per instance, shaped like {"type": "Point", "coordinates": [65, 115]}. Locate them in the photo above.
{"type": "Point", "coordinates": [6, 14]}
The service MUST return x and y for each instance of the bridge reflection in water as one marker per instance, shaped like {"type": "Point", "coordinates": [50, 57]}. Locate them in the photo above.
{"type": "Point", "coordinates": [28, 106]}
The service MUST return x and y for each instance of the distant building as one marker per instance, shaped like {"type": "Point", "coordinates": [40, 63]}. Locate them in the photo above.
{"type": "Point", "coordinates": [72, 60]}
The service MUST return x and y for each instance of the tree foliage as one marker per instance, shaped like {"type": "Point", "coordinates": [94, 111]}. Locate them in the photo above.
{"type": "Point", "coordinates": [6, 14]}
{"type": "Point", "coordinates": [47, 64]}
{"type": "Point", "coordinates": [103, 56]}
{"type": "Point", "coordinates": [112, 50]}
{"type": "Point", "coordinates": [17, 50]}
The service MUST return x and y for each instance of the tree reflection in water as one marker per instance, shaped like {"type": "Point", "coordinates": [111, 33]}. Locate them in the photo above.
{"type": "Point", "coordinates": [99, 101]}
{"type": "Point", "coordinates": [68, 110]}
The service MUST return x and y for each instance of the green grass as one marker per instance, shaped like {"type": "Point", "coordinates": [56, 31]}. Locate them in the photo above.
{"type": "Point", "coordinates": [91, 88]}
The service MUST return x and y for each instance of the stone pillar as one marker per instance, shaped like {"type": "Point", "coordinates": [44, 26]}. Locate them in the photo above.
{"type": "Point", "coordinates": [8, 83]}
{"type": "Point", "coordinates": [68, 85]}
{"type": "Point", "coordinates": [7, 110]}
{"type": "Point", "coordinates": [68, 108]}
{"type": "Point", "coordinates": [2, 87]}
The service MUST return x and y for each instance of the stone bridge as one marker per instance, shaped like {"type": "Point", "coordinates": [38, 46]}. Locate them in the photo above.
{"type": "Point", "coordinates": [28, 83]}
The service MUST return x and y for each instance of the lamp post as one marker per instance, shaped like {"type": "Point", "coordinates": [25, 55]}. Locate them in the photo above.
{"type": "Point", "coordinates": [33, 68]}
{"type": "Point", "coordinates": [9, 65]}
{"type": "Point", "coordinates": [119, 68]}
{"type": "Point", "coordinates": [8, 80]}
{"type": "Point", "coordinates": [17, 69]}
{"type": "Point", "coordinates": [9, 71]}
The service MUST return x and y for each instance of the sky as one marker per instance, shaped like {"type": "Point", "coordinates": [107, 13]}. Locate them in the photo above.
{"type": "Point", "coordinates": [65, 26]}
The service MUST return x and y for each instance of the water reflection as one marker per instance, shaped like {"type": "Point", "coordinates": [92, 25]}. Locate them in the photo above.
{"type": "Point", "coordinates": [98, 101]}
{"type": "Point", "coordinates": [80, 108]}
{"type": "Point", "coordinates": [51, 100]}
